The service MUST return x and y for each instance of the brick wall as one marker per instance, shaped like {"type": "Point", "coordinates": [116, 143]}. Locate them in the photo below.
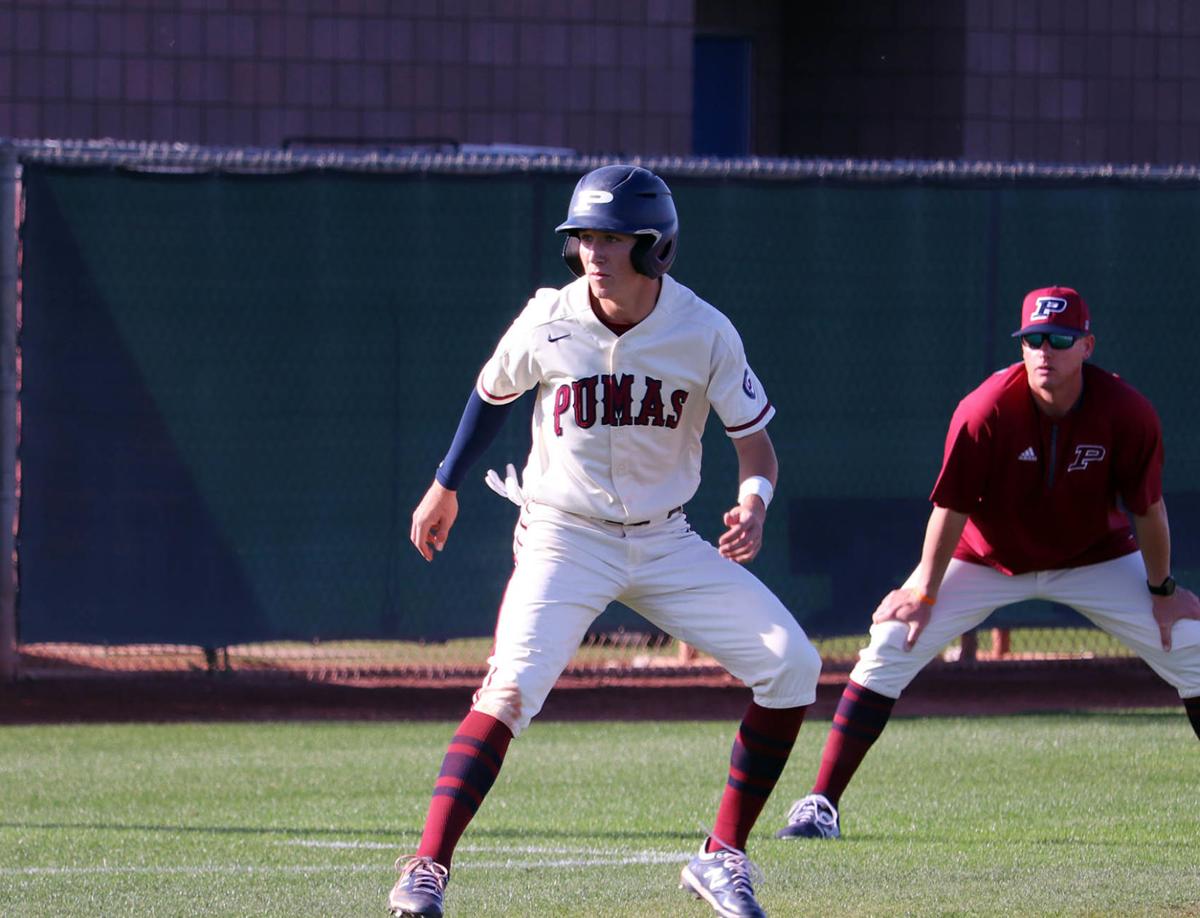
{"type": "Point", "coordinates": [1045, 80]}
{"type": "Point", "coordinates": [594, 76]}
{"type": "Point", "coordinates": [1083, 80]}
{"type": "Point", "coordinates": [875, 79]}
{"type": "Point", "coordinates": [1012, 80]}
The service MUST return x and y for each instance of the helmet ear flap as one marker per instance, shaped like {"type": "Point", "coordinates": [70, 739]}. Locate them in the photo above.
{"type": "Point", "coordinates": [652, 256]}
{"type": "Point", "coordinates": [666, 255]}
{"type": "Point", "coordinates": [570, 254]}
{"type": "Point", "coordinates": [642, 255]}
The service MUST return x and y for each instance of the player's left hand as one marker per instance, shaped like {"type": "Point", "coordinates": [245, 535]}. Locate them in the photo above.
{"type": "Point", "coordinates": [744, 537]}
{"type": "Point", "coordinates": [1174, 608]}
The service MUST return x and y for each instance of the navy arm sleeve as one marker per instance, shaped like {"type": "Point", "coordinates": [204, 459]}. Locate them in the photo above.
{"type": "Point", "coordinates": [476, 430]}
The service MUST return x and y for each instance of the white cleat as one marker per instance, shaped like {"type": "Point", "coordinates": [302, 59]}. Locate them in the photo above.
{"type": "Point", "coordinates": [812, 817]}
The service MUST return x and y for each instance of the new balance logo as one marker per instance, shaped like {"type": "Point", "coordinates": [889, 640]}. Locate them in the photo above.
{"type": "Point", "coordinates": [1028, 456]}
{"type": "Point", "coordinates": [716, 876]}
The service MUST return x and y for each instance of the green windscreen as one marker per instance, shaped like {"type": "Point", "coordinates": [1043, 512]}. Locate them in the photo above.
{"type": "Point", "coordinates": [235, 388]}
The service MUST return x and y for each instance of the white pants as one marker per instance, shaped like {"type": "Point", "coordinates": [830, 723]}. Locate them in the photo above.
{"type": "Point", "coordinates": [569, 568]}
{"type": "Point", "coordinates": [1111, 594]}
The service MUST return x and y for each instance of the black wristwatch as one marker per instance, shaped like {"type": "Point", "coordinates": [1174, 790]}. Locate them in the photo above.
{"type": "Point", "coordinates": [1166, 588]}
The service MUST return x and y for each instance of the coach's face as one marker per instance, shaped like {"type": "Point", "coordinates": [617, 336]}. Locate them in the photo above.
{"type": "Point", "coordinates": [1049, 368]}
{"type": "Point", "coordinates": [608, 264]}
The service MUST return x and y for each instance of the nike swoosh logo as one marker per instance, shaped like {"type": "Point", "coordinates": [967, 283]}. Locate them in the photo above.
{"type": "Point", "coordinates": [552, 338]}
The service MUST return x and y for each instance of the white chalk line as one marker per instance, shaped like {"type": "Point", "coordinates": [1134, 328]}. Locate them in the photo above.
{"type": "Point", "coordinates": [179, 869]}
{"type": "Point", "coordinates": [646, 857]}
{"type": "Point", "coordinates": [577, 857]}
{"type": "Point", "coordinates": [585, 857]}
{"type": "Point", "coordinates": [474, 849]}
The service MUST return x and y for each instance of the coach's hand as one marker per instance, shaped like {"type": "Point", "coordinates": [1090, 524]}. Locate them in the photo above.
{"type": "Point", "coordinates": [1174, 608]}
{"type": "Point", "coordinates": [432, 519]}
{"type": "Point", "coordinates": [744, 537]}
{"type": "Point", "coordinates": [904, 605]}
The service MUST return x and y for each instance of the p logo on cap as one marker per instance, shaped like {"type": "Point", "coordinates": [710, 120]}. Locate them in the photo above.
{"type": "Point", "coordinates": [1048, 306]}
{"type": "Point", "coordinates": [1054, 310]}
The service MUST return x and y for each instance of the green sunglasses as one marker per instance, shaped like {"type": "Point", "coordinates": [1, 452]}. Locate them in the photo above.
{"type": "Point", "coordinates": [1057, 342]}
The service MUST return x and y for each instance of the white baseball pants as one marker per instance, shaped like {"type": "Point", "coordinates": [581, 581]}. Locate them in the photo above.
{"type": "Point", "coordinates": [569, 568]}
{"type": "Point", "coordinates": [1112, 595]}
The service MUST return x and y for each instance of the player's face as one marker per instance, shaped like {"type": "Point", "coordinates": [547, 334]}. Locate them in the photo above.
{"type": "Point", "coordinates": [608, 264]}
{"type": "Point", "coordinates": [1048, 367]}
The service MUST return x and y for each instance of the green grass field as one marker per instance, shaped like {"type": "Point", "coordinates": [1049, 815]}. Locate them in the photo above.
{"type": "Point", "coordinates": [1032, 815]}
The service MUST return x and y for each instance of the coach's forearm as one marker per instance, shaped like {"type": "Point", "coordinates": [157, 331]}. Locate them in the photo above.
{"type": "Point", "coordinates": [942, 533]}
{"type": "Point", "coordinates": [1154, 539]}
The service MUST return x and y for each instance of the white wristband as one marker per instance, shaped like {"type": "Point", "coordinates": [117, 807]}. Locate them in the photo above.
{"type": "Point", "coordinates": [756, 484]}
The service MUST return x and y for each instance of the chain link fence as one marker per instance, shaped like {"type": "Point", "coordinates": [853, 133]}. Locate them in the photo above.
{"type": "Point", "coordinates": [618, 656]}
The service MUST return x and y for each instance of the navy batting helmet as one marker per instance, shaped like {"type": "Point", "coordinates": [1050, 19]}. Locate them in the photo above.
{"type": "Point", "coordinates": [624, 199]}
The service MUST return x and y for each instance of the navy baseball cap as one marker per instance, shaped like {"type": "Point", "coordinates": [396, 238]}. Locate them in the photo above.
{"type": "Point", "coordinates": [1054, 311]}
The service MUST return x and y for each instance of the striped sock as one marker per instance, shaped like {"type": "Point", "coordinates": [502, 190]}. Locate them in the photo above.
{"type": "Point", "coordinates": [760, 750]}
{"type": "Point", "coordinates": [1192, 706]}
{"type": "Point", "coordinates": [860, 718]}
{"type": "Point", "coordinates": [471, 764]}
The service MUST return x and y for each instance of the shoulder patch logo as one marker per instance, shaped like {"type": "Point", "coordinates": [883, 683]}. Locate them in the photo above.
{"type": "Point", "coordinates": [1085, 453]}
{"type": "Point", "coordinates": [1028, 456]}
{"type": "Point", "coordinates": [748, 383]}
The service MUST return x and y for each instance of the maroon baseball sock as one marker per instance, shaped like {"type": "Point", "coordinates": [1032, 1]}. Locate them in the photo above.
{"type": "Point", "coordinates": [860, 718]}
{"type": "Point", "coordinates": [760, 750]}
{"type": "Point", "coordinates": [1192, 706]}
{"type": "Point", "coordinates": [472, 761]}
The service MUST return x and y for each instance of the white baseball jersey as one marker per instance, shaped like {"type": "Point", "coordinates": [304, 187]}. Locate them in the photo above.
{"type": "Point", "coordinates": [618, 419]}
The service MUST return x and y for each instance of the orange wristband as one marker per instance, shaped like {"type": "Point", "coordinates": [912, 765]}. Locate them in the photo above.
{"type": "Point", "coordinates": [921, 597]}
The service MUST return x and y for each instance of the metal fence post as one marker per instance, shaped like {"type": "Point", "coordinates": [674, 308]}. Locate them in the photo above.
{"type": "Point", "coordinates": [8, 412]}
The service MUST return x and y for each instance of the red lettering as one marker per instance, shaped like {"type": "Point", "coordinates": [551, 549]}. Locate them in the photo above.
{"type": "Point", "coordinates": [618, 399]}
{"type": "Point", "coordinates": [585, 401]}
{"type": "Point", "coordinates": [678, 397]}
{"type": "Point", "coordinates": [652, 404]}
{"type": "Point", "coordinates": [562, 401]}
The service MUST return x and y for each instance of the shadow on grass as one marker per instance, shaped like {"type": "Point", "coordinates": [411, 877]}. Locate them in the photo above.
{"type": "Point", "coordinates": [1171, 715]}
{"type": "Point", "coordinates": [963, 843]}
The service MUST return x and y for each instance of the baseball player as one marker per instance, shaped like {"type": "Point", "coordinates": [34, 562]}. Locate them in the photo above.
{"type": "Point", "coordinates": [1038, 462]}
{"type": "Point", "coordinates": [626, 363]}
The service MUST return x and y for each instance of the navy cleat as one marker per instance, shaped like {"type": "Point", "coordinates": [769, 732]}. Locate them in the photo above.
{"type": "Point", "coordinates": [812, 817]}
{"type": "Point", "coordinates": [722, 879]}
{"type": "Point", "coordinates": [419, 891]}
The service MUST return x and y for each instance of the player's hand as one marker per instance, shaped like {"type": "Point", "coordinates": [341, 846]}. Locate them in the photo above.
{"type": "Point", "coordinates": [432, 519]}
{"type": "Point", "coordinates": [1170, 609]}
{"type": "Point", "coordinates": [904, 605]}
{"type": "Point", "coordinates": [744, 537]}
{"type": "Point", "coordinates": [509, 486]}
